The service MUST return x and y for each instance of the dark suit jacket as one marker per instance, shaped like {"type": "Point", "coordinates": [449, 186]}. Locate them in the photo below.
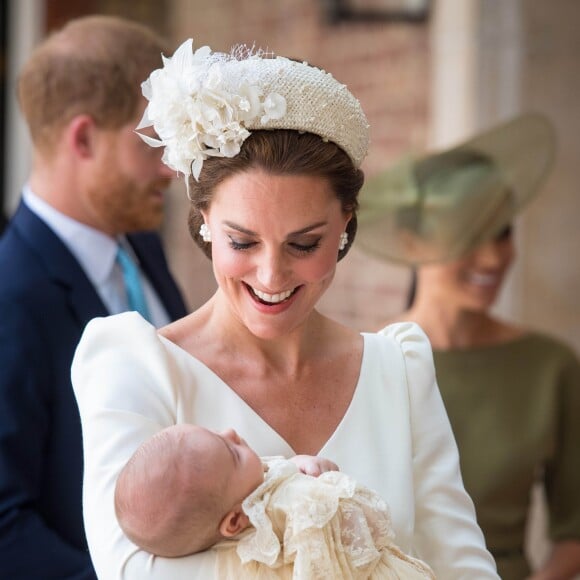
{"type": "Point", "coordinates": [45, 302]}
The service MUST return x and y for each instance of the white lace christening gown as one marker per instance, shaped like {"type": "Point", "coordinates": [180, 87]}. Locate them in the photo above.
{"type": "Point", "coordinates": [311, 528]}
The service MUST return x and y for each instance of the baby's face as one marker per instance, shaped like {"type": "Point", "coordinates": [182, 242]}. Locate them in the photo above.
{"type": "Point", "coordinates": [233, 463]}
{"type": "Point", "coordinates": [246, 471]}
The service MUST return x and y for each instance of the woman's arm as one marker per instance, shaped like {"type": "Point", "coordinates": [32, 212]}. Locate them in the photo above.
{"type": "Point", "coordinates": [127, 389]}
{"type": "Point", "coordinates": [562, 475]}
{"type": "Point", "coordinates": [447, 535]}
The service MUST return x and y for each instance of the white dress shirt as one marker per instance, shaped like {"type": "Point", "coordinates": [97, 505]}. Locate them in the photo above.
{"type": "Point", "coordinates": [95, 251]}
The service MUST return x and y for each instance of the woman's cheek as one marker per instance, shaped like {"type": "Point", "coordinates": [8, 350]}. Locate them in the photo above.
{"type": "Point", "coordinates": [229, 262]}
{"type": "Point", "coordinates": [319, 267]}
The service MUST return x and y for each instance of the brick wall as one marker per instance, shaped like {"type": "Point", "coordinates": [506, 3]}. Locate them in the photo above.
{"type": "Point", "coordinates": [386, 65]}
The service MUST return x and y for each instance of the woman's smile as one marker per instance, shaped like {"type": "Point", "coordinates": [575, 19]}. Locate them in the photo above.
{"type": "Point", "coordinates": [270, 299]}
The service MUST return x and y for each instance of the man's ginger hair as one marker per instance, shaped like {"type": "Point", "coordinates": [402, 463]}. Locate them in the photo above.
{"type": "Point", "coordinates": [93, 65]}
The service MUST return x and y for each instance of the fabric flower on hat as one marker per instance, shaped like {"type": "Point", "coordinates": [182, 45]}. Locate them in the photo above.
{"type": "Point", "coordinates": [275, 107]}
{"type": "Point", "coordinates": [198, 111]}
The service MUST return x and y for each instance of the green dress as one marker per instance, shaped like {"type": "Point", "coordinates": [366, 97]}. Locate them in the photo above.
{"type": "Point", "coordinates": [515, 412]}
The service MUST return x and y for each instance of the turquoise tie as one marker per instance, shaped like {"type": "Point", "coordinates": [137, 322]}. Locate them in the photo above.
{"type": "Point", "coordinates": [135, 296]}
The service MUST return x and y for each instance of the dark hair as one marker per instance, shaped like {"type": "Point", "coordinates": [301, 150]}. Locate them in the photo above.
{"type": "Point", "coordinates": [279, 152]}
{"type": "Point", "coordinates": [412, 292]}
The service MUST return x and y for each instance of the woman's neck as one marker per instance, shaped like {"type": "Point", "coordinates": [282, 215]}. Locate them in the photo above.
{"type": "Point", "coordinates": [452, 328]}
{"type": "Point", "coordinates": [213, 333]}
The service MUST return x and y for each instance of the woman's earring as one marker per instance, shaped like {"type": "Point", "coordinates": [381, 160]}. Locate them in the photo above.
{"type": "Point", "coordinates": [205, 233]}
{"type": "Point", "coordinates": [343, 241]}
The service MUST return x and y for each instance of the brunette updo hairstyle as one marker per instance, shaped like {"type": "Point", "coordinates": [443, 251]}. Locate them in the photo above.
{"type": "Point", "coordinates": [279, 152]}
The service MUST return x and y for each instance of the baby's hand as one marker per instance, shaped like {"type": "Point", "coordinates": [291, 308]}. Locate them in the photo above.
{"type": "Point", "coordinates": [313, 465]}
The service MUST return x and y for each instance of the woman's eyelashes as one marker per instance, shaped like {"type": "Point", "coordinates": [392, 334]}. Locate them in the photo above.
{"type": "Point", "coordinates": [241, 245]}
{"type": "Point", "coordinates": [305, 248]}
{"type": "Point", "coordinates": [300, 248]}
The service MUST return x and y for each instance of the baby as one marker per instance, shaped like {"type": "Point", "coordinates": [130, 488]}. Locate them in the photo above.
{"type": "Point", "coordinates": [188, 489]}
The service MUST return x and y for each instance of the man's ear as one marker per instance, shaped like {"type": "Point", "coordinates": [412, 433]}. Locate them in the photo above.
{"type": "Point", "coordinates": [234, 522]}
{"type": "Point", "coordinates": [81, 135]}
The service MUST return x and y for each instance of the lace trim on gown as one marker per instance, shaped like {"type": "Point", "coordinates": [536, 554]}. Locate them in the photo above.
{"type": "Point", "coordinates": [312, 528]}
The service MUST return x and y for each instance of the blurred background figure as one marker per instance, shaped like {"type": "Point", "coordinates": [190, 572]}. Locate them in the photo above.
{"type": "Point", "coordinates": [80, 244]}
{"type": "Point", "coordinates": [512, 394]}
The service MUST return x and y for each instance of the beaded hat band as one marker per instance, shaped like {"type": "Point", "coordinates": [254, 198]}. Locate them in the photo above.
{"type": "Point", "coordinates": [204, 104]}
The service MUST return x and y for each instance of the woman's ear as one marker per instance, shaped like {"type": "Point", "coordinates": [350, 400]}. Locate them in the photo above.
{"type": "Point", "coordinates": [234, 522]}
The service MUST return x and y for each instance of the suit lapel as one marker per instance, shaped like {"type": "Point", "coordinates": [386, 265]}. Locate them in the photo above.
{"type": "Point", "coordinates": [61, 265]}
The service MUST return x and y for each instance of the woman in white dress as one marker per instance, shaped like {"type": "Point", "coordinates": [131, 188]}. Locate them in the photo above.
{"type": "Point", "coordinates": [271, 149]}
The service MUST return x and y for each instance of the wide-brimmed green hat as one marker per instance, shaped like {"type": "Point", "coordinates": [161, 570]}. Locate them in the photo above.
{"type": "Point", "coordinates": [443, 205]}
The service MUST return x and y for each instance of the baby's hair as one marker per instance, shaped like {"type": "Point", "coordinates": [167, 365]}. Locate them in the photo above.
{"type": "Point", "coordinates": [162, 500]}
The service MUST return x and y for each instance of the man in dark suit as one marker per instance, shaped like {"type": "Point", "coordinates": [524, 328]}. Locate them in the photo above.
{"type": "Point", "coordinates": [95, 187]}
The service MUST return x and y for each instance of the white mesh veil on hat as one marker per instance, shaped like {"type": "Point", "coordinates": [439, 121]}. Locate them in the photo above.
{"type": "Point", "coordinates": [443, 205]}
{"type": "Point", "coordinates": [204, 104]}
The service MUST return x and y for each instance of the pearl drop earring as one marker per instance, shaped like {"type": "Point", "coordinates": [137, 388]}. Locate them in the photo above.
{"type": "Point", "coordinates": [343, 241]}
{"type": "Point", "coordinates": [205, 233]}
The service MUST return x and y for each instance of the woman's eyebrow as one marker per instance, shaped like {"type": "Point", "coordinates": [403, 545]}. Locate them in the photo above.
{"type": "Point", "coordinates": [248, 232]}
{"type": "Point", "coordinates": [239, 228]}
{"type": "Point", "coordinates": [307, 229]}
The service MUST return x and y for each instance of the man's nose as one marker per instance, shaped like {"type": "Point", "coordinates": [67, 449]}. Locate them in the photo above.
{"type": "Point", "coordinates": [166, 172]}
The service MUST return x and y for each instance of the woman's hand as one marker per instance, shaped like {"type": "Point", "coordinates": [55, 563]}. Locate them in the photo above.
{"type": "Point", "coordinates": [563, 563]}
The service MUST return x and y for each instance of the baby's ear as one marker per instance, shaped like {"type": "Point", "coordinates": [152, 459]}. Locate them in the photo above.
{"type": "Point", "coordinates": [234, 522]}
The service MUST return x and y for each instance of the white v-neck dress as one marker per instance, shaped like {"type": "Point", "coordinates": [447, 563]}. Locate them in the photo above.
{"type": "Point", "coordinates": [394, 438]}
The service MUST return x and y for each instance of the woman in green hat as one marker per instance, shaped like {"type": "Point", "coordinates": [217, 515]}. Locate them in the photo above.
{"type": "Point", "coordinates": [512, 394]}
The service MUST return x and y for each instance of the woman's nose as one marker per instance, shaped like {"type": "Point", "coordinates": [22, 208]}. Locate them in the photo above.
{"type": "Point", "coordinates": [492, 253]}
{"type": "Point", "coordinates": [271, 271]}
